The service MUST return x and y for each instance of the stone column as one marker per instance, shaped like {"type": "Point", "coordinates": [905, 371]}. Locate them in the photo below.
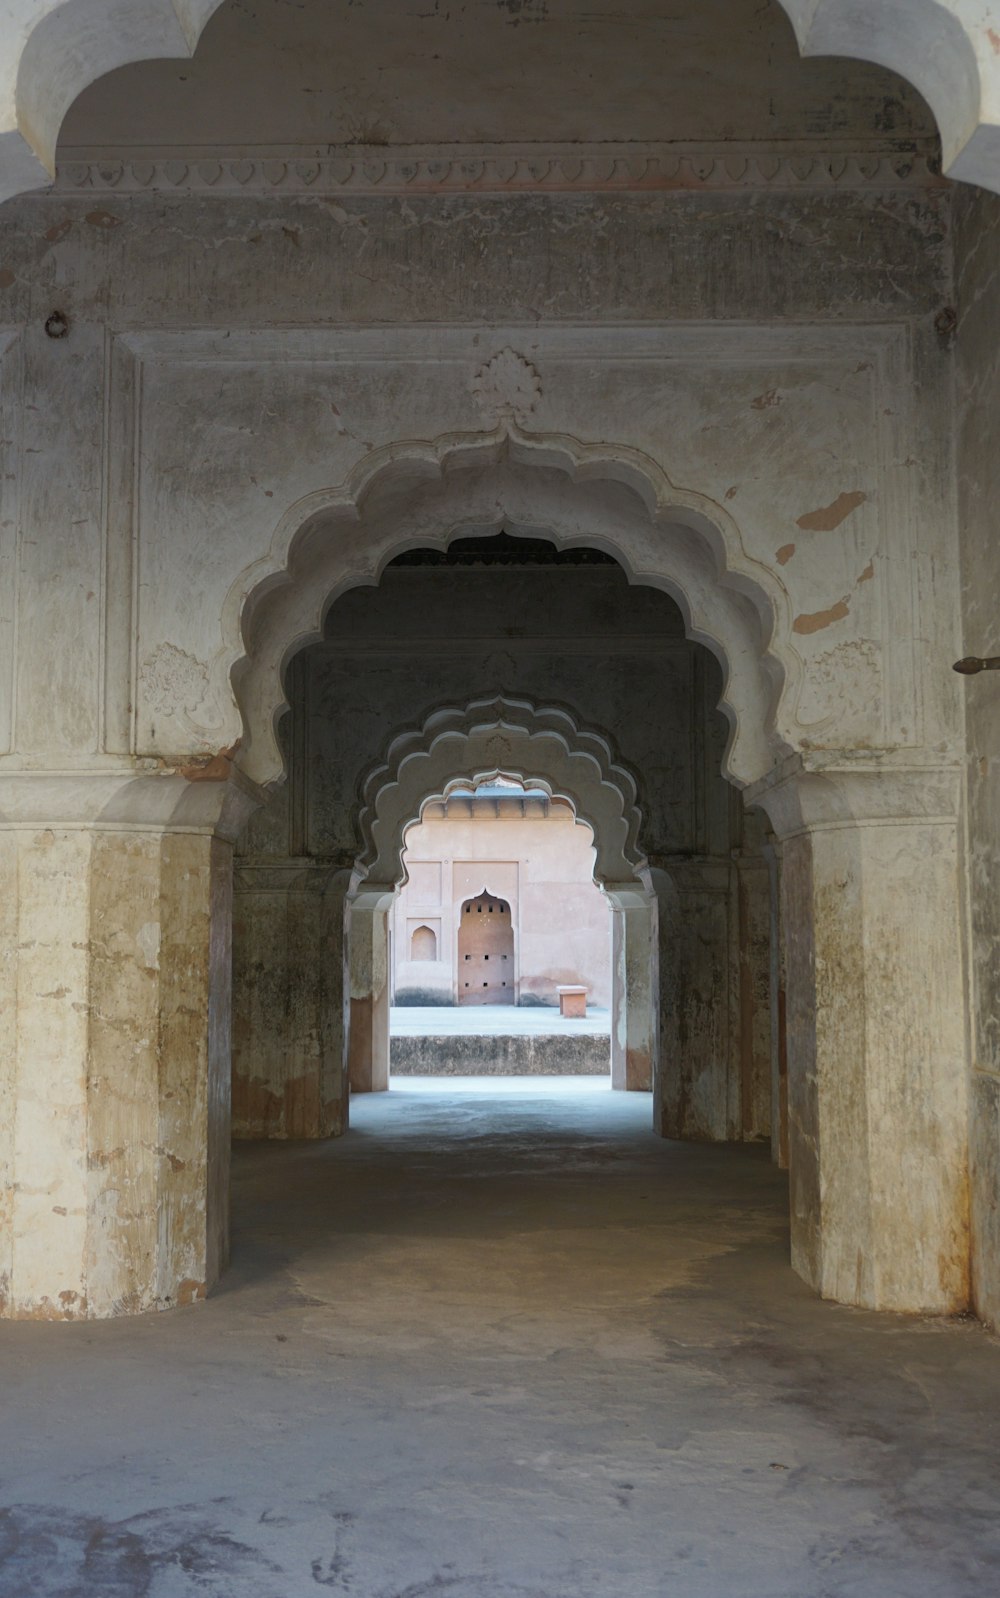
{"type": "Point", "coordinates": [779, 1049]}
{"type": "Point", "coordinates": [115, 1026]}
{"type": "Point", "coordinates": [368, 966]}
{"type": "Point", "coordinates": [751, 946]}
{"type": "Point", "coordinates": [634, 989]}
{"type": "Point", "coordinates": [289, 1077]}
{"type": "Point", "coordinates": [699, 996]}
{"type": "Point", "coordinates": [877, 1049]}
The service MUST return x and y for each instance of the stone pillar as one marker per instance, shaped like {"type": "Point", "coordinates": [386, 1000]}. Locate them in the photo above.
{"type": "Point", "coordinates": [699, 997]}
{"type": "Point", "coordinates": [115, 1028]}
{"type": "Point", "coordinates": [634, 987]}
{"type": "Point", "coordinates": [289, 1076]}
{"type": "Point", "coordinates": [715, 1025]}
{"type": "Point", "coordinates": [751, 946]}
{"type": "Point", "coordinates": [779, 1047]}
{"type": "Point", "coordinates": [877, 1050]}
{"type": "Point", "coordinates": [368, 966]}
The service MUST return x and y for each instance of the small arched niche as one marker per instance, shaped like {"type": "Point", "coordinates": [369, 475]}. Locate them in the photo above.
{"type": "Point", "coordinates": [423, 944]}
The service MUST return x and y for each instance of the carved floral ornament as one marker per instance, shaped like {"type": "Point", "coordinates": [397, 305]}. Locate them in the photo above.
{"type": "Point", "coordinates": [507, 386]}
{"type": "Point", "coordinates": [498, 748]}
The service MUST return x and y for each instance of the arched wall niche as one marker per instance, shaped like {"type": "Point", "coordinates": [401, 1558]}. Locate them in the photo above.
{"type": "Point", "coordinates": [52, 52]}
{"type": "Point", "coordinates": [613, 498]}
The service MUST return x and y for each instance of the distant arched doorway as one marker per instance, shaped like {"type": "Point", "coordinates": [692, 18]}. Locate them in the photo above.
{"type": "Point", "coordinates": [486, 952]}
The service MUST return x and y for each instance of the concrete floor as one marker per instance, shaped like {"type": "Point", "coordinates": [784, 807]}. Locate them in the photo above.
{"type": "Point", "coordinates": [501, 1342]}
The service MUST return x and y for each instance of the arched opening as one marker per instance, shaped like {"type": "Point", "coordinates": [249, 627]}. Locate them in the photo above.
{"type": "Point", "coordinates": [673, 846]}
{"type": "Point", "coordinates": [485, 935]}
{"type": "Point", "coordinates": [523, 984]}
{"type": "Point", "coordinates": [423, 945]}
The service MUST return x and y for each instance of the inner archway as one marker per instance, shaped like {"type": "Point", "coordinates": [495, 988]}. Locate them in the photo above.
{"type": "Point", "coordinates": [664, 822]}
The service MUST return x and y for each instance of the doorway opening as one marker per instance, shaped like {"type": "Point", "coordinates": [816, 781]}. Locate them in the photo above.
{"type": "Point", "coordinates": [548, 669]}
{"type": "Point", "coordinates": [485, 933]}
{"type": "Point", "coordinates": [500, 939]}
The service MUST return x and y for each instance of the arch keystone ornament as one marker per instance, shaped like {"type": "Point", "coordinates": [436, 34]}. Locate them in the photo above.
{"type": "Point", "coordinates": [507, 385]}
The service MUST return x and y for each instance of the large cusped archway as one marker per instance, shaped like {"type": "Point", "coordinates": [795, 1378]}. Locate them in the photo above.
{"type": "Point", "coordinates": [612, 498]}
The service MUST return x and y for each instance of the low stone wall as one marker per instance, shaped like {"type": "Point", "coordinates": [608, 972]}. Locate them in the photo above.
{"type": "Point", "coordinates": [512, 1055]}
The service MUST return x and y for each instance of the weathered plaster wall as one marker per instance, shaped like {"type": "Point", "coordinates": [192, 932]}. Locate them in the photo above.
{"type": "Point", "coordinates": [978, 276]}
{"type": "Point", "coordinates": [115, 1069]}
{"type": "Point", "coordinates": [274, 75]}
{"type": "Point", "coordinates": [205, 386]}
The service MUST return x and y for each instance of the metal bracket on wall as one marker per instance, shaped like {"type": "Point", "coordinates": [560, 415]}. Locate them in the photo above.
{"type": "Point", "coordinates": [971, 664]}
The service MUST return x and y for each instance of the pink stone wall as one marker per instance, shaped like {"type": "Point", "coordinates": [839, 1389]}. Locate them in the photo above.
{"type": "Point", "coordinates": [531, 852]}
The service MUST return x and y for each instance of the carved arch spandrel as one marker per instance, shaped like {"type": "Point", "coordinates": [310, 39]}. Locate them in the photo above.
{"type": "Point", "coordinates": [425, 493]}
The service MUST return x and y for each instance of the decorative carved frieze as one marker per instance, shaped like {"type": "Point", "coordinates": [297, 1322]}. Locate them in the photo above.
{"type": "Point", "coordinates": [505, 169]}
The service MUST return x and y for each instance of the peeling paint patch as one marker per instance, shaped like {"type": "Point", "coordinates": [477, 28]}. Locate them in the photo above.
{"type": "Point", "coordinates": [103, 219]}
{"type": "Point", "coordinates": [766, 401]}
{"type": "Point", "coordinates": [867, 574]}
{"type": "Point", "coordinates": [731, 493]}
{"type": "Point", "coordinates": [58, 231]}
{"type": "Point", "coordinates": [815, 621]}
{"type": "Point", "coordinates": [148, 939]}
{"type": "Point", "coordinates": [830, 516]}
{"type": "Point", "coordinates": [6, 278]}
{"type": "Point", "coordinates": [213, 768]}
{"type": "Point", "coordinates": [189, 1291]}
{"type": "Point", "coordinates": [994, 38]}
{"type": "Point", "coordinates": [784, 554]}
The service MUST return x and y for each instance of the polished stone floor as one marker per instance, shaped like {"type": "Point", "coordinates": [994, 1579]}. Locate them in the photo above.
{"type": "Point", "coordinates": [501, 1342]}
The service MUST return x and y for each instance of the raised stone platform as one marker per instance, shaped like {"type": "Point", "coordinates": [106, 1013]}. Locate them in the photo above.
{"type": "Point", "coordinates": [507, 1042]}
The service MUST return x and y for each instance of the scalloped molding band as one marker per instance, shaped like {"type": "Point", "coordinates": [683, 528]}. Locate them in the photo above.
{"type": "Point", "coordinates": [507, 169]}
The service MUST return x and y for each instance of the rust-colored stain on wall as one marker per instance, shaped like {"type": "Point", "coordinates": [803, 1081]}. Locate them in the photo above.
{"type": "Point", "coordinates": [815, 621]}
{"type": "Point", "coordinates": [827, 517]}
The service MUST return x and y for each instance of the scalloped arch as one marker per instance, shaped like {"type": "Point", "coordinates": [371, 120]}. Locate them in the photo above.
{"type": "Point", "coordinates": [51, 52]}
{"type": "Point", "coordinates": [424, 494]}
{"type": "Point", "coordinates": [490, 737]}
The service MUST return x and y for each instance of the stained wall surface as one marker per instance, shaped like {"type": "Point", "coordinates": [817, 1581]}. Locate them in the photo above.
{"type": "Point", "coordinates": [401, 74]}
{"type": "Point", "coordinates": [978, 290]}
